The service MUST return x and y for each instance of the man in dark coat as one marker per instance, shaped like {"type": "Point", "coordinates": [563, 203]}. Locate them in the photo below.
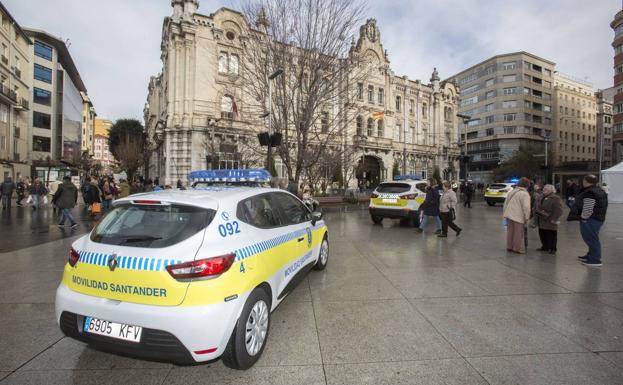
{"type": "Point", "coordinates": [469, 193]}
{"type": "Point", "coordinates": [21, 191]}
{"type": "Point", "coordinates": [591, 205]}
{"type": "Point", "coordinates": [6, 190]}
{"type": "Point", "coordinates": [65, 199]}
{"type": "Point", "coordinates": [547, 213]}
{"type": "Point", "coordinates": [430, 207]}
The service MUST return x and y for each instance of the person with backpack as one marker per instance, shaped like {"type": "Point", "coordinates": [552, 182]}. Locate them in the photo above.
{"type": "Point", "coordinates": [65, 199]}
{"type": "Point", "coordinates": [430, 207]}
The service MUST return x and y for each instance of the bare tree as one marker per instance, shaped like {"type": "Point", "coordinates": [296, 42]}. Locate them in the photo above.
{"type": "Point", "coordinates": [310, 40]}
{"type": "Point", "coordinates": [131, 156]}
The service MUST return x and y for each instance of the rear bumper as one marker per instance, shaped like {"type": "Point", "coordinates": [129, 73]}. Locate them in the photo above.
{"type": "Point", "coordinates": [170, 333]}
{"type": "Point", "coordinates": [495, 199]}
{"type": "Point", "coordinates": [397, 213]}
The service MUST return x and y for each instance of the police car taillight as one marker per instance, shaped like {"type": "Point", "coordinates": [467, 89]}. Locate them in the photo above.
{"type": "Point", "coordinates": [374, 195]}
{"type": "Point", "coordinates": [202, 268]}
{"type": "Point", "coordinates": [408, 196]}
{"type": "Point", "coordinates": [73, 257]}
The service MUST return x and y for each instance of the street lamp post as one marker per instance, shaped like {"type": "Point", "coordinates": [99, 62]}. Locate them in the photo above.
{"type": "Point", "coordinates": [466, 120]}
{"type": "Point", "coordinates": [269, 154]}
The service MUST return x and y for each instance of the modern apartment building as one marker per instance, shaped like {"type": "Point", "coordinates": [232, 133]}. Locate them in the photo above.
{"type": "Point", "coordinates": [617, 119]}
{"type": "Point", "coordinates": [57, 106]}
{"type": "Point", "coordinates": [88, 124]}
{"type": "Point", "coordinates": [575, 120]}
{"type": "Point", "coordinates": [604, 127]}
{"type": "Point", "coordinates": [509, 100]}
{"type": "Point", "coordinates": [15, 75]}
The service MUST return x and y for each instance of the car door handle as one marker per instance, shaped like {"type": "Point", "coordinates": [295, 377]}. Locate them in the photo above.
{"type": "Point", "coordinates": [301, 239]}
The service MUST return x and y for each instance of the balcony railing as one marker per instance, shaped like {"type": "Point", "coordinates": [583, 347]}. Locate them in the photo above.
{"type": "Point", "coordinates": [24, 103]}
{"type": "Point", "coordinates": [8, 93]}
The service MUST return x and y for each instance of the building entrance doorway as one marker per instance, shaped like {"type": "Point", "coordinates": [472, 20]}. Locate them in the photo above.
{"type": "Point", "coordinates": [369, 172]}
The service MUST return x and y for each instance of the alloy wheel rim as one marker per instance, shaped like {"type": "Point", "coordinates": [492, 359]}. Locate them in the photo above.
{"type": "Point", "coordinates": [324, 252]}
{"type": "Point", "coordinates": [256, 328]}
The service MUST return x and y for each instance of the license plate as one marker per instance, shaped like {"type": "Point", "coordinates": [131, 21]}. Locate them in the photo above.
{"type": "Point", "coordinates": [494, 193]}
{"type": "Point", "coordinates": [390, 200]}
{"type": "Point", "coordinates": [112, 329]}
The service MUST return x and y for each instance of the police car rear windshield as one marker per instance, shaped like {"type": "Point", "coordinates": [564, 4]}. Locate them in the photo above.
{"type": "Point", "coordinates": [151, 226]}
{"type": "Point", "coordinates": [393, 188]}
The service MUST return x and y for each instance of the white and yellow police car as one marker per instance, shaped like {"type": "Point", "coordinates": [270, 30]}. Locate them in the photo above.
{"type": "Point", "coordinates": [497, 192]}
{"type": "Point", "coordinates": [190, 276]}
{"type": "Point", "coordinates": [398, 199]}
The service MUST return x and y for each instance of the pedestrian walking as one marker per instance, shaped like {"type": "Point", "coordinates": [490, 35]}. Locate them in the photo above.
{"type": "Point", "coordinates": [447, 211]}
{"type": "Point", "coordinates": [430, 207]}
{"type": "Point", "coordinates": [547, 213]}
{"type": "Point", "coordinates": [571, 192]}
{"type": "Point", "coordinates": [469, 193]}
{"type": "Point", "coordinates": [124, 188]}
{"type": "Point", "coordinates": [37, 193]}
{"type": "Point", "coordinates": [107, 192]}
{"type": "Point", "coordinates": [591, 205]}
{"type": "Point", "coordinates": [6, 190]}
{"type": "Point", "coordinates": [21, 191]}
{"type": "Point", "coordinates": [65, 199]}
{"type": "Point", "coordinates": [517, 214]}
{"type": "Point", "coordinates": [94, 198]}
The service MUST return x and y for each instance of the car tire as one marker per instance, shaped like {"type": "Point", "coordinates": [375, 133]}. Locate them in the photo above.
{"type": "Point", "coordinates": [253, 325]}
{"type": "Point", "coordinates": [323, 255]}
{"type": "Point", "coordinates": [491, 203]}
{"type": "Point", "coordinates": [377, 219]}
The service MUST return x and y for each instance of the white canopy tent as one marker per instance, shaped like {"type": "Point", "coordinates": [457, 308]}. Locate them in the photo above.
{"type": "Point", "coordinates": [613, 178]}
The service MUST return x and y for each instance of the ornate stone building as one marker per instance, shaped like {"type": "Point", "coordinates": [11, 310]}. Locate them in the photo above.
{"type": "Point", "coordinates": [197, 115]}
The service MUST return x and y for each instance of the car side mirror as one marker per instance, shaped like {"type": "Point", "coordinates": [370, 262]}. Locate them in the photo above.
{"type": "Point", "coordinates": [315, 217]}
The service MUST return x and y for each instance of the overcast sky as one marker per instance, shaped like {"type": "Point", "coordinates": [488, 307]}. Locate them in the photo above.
{"type": "Point", "coordinates": [116, 43]}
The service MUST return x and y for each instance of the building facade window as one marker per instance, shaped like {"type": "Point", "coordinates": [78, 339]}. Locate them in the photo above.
{"type": "Point", "coordinates": [490, 132]}
{"type": "Point", "coordinates": [370, 127]}
{"type": "Point", "coordinates": [324, 122]}
{"type": "Point", "coordinates": [4, 113]}
{"type": "Point", "coordinates": [424, 110]}
{"type": "Point", "coordinates": [381, 97]}
{"type": "Point", "coordinates": [43, 50]}
{"type": "Point", "coordinates": [42, 96]}
{"type": "Point", "coordinates": [398, 103]}
{"type": "Point", "coordinates": [43, 74]}
{"type": "Point", "coordinates": [509, 65]}
{"type": "Point", "coordinates": [41, 120]}
{"type": "Point", "coordinates": [41, 143]}
{"type": "Point", "coordinates": [360, 91]}
{"type": "Point", "coordinates": [227, 107]}
{"type": "Point", "coordinates": [509, 78]}
{"type": "Point", "coordinates": [509, 104]}
{"type": "Point", "coordinates": [233, 64]}
{"type": "Point", "coordinates": [380, 125]}
{"type": "Point", "coordinates": [510, 117]}
{"type": "Point", "coordinates": [359, 125]}
{"type": "Point", "coordinates": [222, 62]}
{"type": "Point", "coordinates": [370, 94]}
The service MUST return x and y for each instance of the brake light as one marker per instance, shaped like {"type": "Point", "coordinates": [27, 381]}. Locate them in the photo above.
{"type": "Point", "coordinates": [146, 202]}
{"type": "Point", "coordinates": [73, 257]}
{"type": "Point", "coordinates": [374, 195]}
{"type": "Point", "coordinates": [209, 267]}
{"type": "Point", "coordinates": [408, 196]}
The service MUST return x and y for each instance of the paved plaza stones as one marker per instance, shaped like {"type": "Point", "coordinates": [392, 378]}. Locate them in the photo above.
{"type": "Point", "coordinates": [392, 307]}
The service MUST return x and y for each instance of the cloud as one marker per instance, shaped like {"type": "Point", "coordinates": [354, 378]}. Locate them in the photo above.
{"type": "Point", "coordinates": [116, 43]}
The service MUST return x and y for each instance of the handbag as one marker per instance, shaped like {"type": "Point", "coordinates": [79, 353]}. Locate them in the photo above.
{"type": "Point", "coordinates": [452, 213]}
{"type": "Point", "coordinates": [542, 213]}
{"type": "Point", "coordinates": [96, 208]}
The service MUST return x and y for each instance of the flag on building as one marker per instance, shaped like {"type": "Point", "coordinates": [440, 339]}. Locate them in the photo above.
{"type": "Point", "coordinates": [234, 108]}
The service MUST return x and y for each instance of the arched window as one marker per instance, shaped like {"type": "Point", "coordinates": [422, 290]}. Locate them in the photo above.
{"type": "Point", "coordinates": [370, 127]}
{"type": "Point", "coordinates": [227, 106]}
{"type": "Point", "coordinates": [222, 62]}
{"type": "Point", "coordinates": [424, 110]}
{"type": "Point", "coordinates": [233, 64]}
{"type": "Point", "coordinates": [359, 125]}
{"type": "Point", "coordinates": [380, 128]}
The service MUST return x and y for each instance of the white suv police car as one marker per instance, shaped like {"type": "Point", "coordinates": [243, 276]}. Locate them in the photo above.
{"type": "Point", "coordinates": [191, 275]}
{"type": "Point", "coordinates": [398, 199]}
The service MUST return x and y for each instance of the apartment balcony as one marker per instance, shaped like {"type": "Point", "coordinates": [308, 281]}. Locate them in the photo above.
{"type": "Point", "coordinates": [8, 94]}
{"type": "Point", "coordinates": [25, 104]}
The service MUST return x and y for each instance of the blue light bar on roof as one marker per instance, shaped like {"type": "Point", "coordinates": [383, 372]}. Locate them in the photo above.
{"type": "Point", "coordinates": [408, 177]}
{"type": "Point", "coordinates": [233, 175]}
{"type": "Point", "coordinates": [512, 180]}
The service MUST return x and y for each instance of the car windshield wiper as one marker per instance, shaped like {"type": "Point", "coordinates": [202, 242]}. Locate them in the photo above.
{"type": "Point", "coordinates": [139, 238]}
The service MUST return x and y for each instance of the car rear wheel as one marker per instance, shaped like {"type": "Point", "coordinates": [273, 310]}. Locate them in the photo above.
{"type": "Point", "coordinates": [377, 219]}
{"type": "Point", "coordinates": [248, 339]}
{"type": "Point", "coordinates": [490, 203]}
{"type": "Point", "coordinates": [323, 257]}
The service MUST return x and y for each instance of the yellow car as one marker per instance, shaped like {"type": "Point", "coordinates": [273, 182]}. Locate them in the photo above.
{"type": "Point", "coordinates": [398, 199]}
{"type": "Point", "coordinates": [190, 276]}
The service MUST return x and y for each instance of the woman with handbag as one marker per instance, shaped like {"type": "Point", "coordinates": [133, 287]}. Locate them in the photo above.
{"type": "Point", "coordinates": [447, 211]}
{"type": "Point", "coordinates": [547, 216]}
{"type": "Point", "coordinates": [94, 198]}
{"type": "Point", "coordinates": [107, 191]}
